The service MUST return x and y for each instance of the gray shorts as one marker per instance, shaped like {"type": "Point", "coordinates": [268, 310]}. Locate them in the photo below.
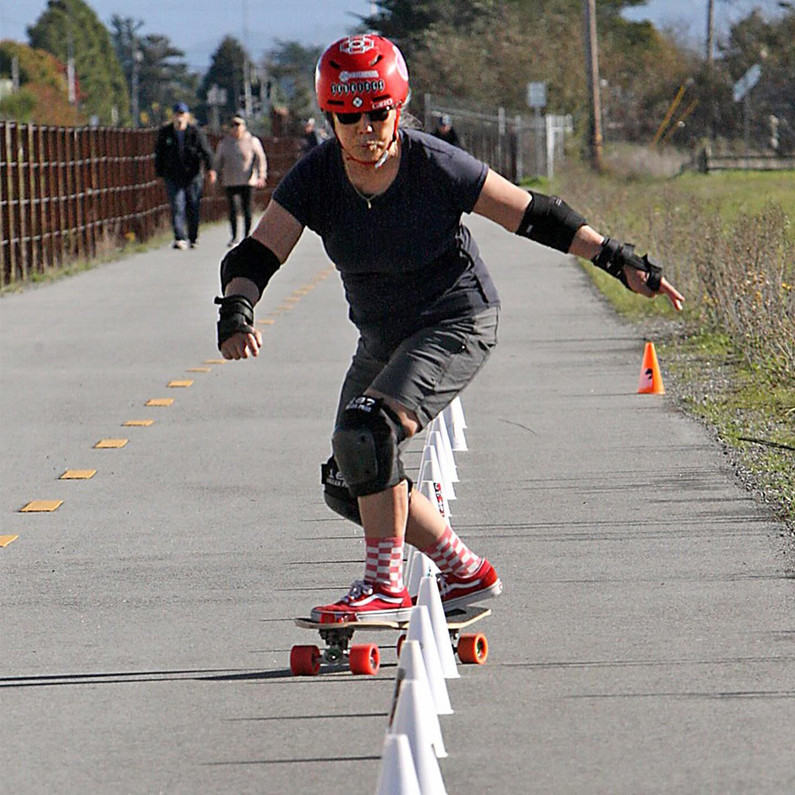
{"type": "Point", "coordinates": [427, 370]}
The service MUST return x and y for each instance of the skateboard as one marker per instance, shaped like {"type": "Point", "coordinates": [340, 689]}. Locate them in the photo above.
{"type": "Point", "coordinates": [365, 658]}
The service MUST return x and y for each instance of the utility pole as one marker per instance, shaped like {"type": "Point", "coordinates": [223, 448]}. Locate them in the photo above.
{"type": "Point", "coordinates": [592, 71]}
{"type": "Point", "coordinates": [247, 104]}
{"type": "Point", "coordinates": [710, 31]}
{"type": "Point", "coordinates": [713, 113]}
{"type": "Point", "coordinates": [135, 83]}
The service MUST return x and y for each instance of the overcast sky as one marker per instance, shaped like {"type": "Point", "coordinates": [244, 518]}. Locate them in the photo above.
{"type": "Point", "coordinates": [197, 27]}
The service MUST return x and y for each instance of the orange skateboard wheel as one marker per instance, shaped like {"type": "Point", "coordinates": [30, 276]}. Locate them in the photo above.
{"type": "Point", "coordinates": [364, 658]}
{"type": "Point", "coordinates": [473, 648]}
{"type": "Point", "coordinates": [305, 660]}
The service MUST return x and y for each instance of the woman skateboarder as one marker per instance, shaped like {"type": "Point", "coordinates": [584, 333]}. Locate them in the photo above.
{"type": "Point", "coordinates": [387, 202]}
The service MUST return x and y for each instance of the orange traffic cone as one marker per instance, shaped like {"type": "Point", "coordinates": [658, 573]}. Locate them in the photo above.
{"type": "Point", "coordinates": [650, 382]}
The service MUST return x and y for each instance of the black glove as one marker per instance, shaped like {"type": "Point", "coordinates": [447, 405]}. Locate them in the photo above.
{"type": "Point", "coordinates": [235, 315]}
{"type": "Point", "coordinates": [613, 256]}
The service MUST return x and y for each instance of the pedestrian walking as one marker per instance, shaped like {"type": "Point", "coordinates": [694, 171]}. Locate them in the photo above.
{"type": "Point", "coordinates": [181, 152]}
{"type": "Point", "coordinates": [387, 202]}
{"type": "Point", "coordinates": [311, 137]}
{"type": "Point", "coordinates": [242, 166]}
{"type": "Point", "coordinates": [445, 130]}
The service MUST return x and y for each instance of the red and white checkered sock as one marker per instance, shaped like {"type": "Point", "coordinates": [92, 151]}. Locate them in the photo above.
{"type": "Point", "coordinates": [452, 555]}
{"type": "Point", "coordinates": [384, 563]}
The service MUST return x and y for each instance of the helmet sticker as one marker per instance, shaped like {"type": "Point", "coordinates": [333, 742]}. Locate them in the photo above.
{"type": "Point", "coordinates": [356, 45]}
{"type": "Point", "coordinates": [358, 87]}
{"type": "Point", "coordinates": [400, 64]}
{"type": "Point", "coordinates": [346, 76]}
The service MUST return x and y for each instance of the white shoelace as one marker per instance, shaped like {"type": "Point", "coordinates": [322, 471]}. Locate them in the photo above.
{"type": "Point", "coordinates": [358, 589]}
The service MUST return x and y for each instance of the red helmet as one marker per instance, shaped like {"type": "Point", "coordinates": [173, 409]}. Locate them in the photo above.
{"type": "Point", "coordinates": [361, 73]}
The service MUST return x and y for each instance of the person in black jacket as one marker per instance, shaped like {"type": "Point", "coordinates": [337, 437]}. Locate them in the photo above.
{"type": "Point", "coordinates": [181, 151]}
{"type": "Point", "coordinates": [446, 132]}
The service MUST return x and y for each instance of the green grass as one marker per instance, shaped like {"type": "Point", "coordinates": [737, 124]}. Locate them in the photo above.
{"type": "Point", "coordinates": [738, 192]}
{"type": "Point", "coordinates": [739, 393]}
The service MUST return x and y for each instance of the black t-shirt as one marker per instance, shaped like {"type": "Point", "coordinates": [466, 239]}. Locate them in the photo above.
{"type": "Point", "coordinates": [406, 260]}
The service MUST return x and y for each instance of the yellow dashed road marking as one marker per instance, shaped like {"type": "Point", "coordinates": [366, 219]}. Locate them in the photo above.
{"type": "Point", "coordinates": [41, 506]}
{"type": "Point", "coordinates": [215, 361]}
{"type": "Point", "coordinates": [138, 423]}
{"type": "Point", "coordinates": [6, 540]}
{"type": "Point", "coordinates": [198, 370]}
{"type": "Point", "coordinates": [160, 402]}
{"type": "Point", "coordinates": [179, 384]}
{"type": "Point", "coordinates": [78, 474]}
{"type": "Point", "coordinates": [110, 444]}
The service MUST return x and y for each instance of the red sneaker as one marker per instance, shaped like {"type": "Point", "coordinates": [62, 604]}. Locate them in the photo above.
{"type": "Point", "coordinates": [459, 591]}
{"type": "Point", "coordinates": [366, 601]}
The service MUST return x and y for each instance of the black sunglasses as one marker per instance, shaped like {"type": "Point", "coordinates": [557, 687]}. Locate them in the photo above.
{"type": "Point", "coordinates": [373, 115]}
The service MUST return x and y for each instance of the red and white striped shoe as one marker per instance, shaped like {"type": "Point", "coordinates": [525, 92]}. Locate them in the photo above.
{"type": "Point", "coordinates": [366, 601]}
{"type": "Point", "coordinates": [459, 591]}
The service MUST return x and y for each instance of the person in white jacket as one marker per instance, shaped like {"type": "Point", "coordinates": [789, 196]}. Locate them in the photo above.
{"type": "Point", "coordinates": [242, 166]}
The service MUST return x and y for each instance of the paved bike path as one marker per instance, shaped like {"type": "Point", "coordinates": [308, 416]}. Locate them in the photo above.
{"type": "Point", "coordinates": [644, 642]}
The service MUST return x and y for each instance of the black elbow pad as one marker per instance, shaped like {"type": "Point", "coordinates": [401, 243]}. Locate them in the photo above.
{"type": "Point", "coordinates": [550, 221]}
{"type": "Point", "coordinates": [251, 260]}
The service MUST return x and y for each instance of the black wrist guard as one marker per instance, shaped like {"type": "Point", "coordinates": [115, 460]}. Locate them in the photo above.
{"type": "Point", "coordinates": [235, 315]}
{"type": "Point", "coordinates": [251, 260]}
{"type": "Point", "coordinates": [550, 221]}
{"type": "Point", "coordinates": [614, 256]}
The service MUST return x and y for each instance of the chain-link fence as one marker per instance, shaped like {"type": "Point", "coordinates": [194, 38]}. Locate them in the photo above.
{"type": "Point", "coordinates": [518, 146]}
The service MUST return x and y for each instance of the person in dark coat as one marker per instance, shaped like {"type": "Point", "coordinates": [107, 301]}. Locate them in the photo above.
{"type": "Point", "coordinates": [180, 153]}
{"type": "Point", "coordinates": [446, 131]}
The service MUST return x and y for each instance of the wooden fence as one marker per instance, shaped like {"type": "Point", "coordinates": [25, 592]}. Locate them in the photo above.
{"type": "Point", "coordinates": [72, 193]}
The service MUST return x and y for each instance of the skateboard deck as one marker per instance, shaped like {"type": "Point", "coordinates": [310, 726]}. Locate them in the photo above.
{"type": "Point", "coordinates": [365, 658]}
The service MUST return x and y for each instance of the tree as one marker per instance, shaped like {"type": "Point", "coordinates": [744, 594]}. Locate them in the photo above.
{"type": "Point", "coordinates": [227, 71]}
{"type": "Point", "coordinates": [156, 67]}
{"type": "Point", "coordinates": [771, 44]}
{"type": "Point", "coordinates": [43, 95]}
{"type": "Point", "coordinates": [291, 69]}
{"type": "Point", "coordinates": [69, 29]}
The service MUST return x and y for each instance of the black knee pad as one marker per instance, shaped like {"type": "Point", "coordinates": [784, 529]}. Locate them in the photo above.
{"type": "Point", "coordinates": [336, 493]}
{"type": "Point", "coordinates": [338, 496]}
{"type": "Point", "coordinates": [365, 444]}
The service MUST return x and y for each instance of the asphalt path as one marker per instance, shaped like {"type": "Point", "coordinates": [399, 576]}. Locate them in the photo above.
{"type": "Point", "coordinates": [645, 641]}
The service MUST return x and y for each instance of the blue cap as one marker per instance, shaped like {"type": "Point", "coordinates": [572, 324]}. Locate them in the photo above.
{"type": "Point", "coordinates": [181, 107]}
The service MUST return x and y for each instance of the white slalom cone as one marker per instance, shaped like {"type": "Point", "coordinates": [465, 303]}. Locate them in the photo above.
{"type": "Point", "coordinates": [434, 492]}
{"type": "Point", "coordinates": [398, 775]}
{"type": "Point", "coordinates": [453, 419]}
{"type": "Point", "coordinates": [428, 454]}
{"type": "Point", "coordinates": [411, 667]}
{"type": "Point", "coordinates": [428, 596]}
{"type": "Point", "coordinates": [445, 468]}
{"type": "Point", "coordinates": [432, 473]}
{"type": "Point", "coordinates": [420, 629]}
{"type": "Point", "coordinates": [421, 566]}
{"type": "Point", "coordinates": [447, 448]}
{"type": "Point", "coordinates": [408, 564]}
{"type": "Point", "coordinates": [458, 413]}
{"type": "Point", "coordinates": [409, 721]}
